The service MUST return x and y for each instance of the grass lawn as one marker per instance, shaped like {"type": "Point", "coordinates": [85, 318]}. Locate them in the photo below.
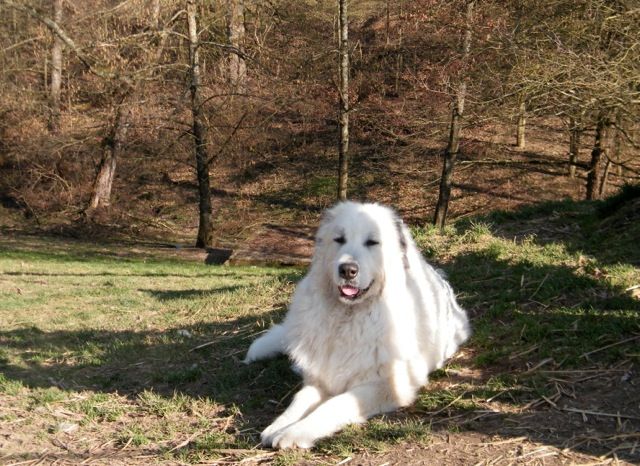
{"type": "Point", "coordinates": [112, 357]}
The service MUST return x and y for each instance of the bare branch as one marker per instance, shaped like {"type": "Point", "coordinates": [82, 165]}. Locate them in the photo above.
{"type": "Point", "coordinates": [57, 30]}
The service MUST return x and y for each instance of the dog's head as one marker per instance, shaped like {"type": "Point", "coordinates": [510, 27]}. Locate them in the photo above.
{"type": "Point", "coordinates": [356, 246]}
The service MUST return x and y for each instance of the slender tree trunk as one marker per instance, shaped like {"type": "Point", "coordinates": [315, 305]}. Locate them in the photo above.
{"type": "Point", "coordinates": [56, 72]}
{"type": "Point", "coordinates": [235, 33]}
{"type": "Point", "coordinates": [387, 24]}
{"type": "Point", "coordinates": [605, 179]}
{"type": "Point", "coordinates": [453, 145]}
{"type": "Point", "coordinates": [399, 55]}
{"type": "Point", "coordinates": [611, 152]}
{"type": "Point", "coordinates": [112, 150]}
{"type": "Point", "coordinates": [594, 177]}
{"type": "Point", "coordinates": [155, 14]}
{"type": "Point", "coordinates": [522, 122]}
{"type": "Point", "coordinates": [205, 227]}
{"type": "Point", "coordinates": [574, 146]}
{"type": "Point", "coordinates": [343, 145]}
{"type": "Point", "coordinates": [616, 146]}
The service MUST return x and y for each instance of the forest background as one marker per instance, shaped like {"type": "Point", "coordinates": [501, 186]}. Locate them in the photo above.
{"type": "Point", "coordinates": [203, 119]}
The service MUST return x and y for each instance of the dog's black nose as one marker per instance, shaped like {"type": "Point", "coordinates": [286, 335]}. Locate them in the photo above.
{"type": "Point", "coordinates": [348, 270]}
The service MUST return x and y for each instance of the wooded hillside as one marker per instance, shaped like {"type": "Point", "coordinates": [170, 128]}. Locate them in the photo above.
{"type": "Point", "coordinates": [116, 116]}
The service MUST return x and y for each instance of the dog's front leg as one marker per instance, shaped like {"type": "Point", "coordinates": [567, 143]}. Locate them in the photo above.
{"type": "Point", "coordinates": [307, 399]}
{"type": "Point", "coordinates": [268, 345]}
{"type": "Point", "coordinates": [352, 407]}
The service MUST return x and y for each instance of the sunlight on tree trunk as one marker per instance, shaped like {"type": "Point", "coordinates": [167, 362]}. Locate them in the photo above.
{"type": "Point", "coordinates": [113, 144]}
{"type": "Point", "coordinates": [522, 121]}
{"type": "Point", "coordinates": [155, 14]}
{"type": "Point", "coordinates": [56, 72]}
{"type": "Point", "coordinates": [343, 145]}
{"type": "Point", "coordinates": [594, 177]}
{"type": "Point", "coordinates": [235, 32]}
{"type": "Point", "coordinates": [574, 146]}
{"type": "Point", "coordinates": [205, 226]}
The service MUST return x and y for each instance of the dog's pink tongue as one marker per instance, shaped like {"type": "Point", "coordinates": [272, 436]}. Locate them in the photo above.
{"type": "Point", "coordinates": [349, 290]}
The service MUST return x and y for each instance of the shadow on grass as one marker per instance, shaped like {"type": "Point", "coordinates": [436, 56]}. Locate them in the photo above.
{"type": "Point", "coordinates": [167, 295]}
{"type": "Point", "coordinates": [202, 360]}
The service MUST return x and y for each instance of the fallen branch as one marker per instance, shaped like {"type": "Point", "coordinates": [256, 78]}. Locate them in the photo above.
{"type": "Point", "coordinates": [186, 442]}
{"type": "Point", "coordinates": [539, 365]}
{"type": "Point", "coordinates": [598, 413]}
{"type": "Point", "coordinates": [585, 355]}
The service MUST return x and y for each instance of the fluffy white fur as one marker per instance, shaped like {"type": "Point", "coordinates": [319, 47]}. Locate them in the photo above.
{"type": "Point", "coordinates": [361, 354]}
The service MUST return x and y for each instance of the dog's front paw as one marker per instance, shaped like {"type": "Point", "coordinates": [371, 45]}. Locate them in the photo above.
{"type": "Point", "coordinates": [294, 436]}
{"type": "Point", "coordinates": [267, 435]}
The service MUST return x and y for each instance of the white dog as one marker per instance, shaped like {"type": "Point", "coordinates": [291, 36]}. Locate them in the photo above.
{"type": "Point", "coordinates": [366, 325]}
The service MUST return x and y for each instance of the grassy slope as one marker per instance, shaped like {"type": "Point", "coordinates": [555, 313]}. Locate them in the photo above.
{"type": "Point", "coordinates": [105, 346]}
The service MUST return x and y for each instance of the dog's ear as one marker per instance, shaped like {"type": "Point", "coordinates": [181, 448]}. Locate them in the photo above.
{"type": "Point", "coordinates": [327, 218]}
{"type": "Point", "coordinates": [403, 233]}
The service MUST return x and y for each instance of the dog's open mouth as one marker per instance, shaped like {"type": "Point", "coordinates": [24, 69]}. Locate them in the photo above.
{"type": "Point", "coordinates": [351, 292]}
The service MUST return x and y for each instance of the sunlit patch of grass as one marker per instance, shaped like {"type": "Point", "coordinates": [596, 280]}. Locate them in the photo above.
{"type": "Point", "coordinates": [377, 435]}
{"type": "Point", "coordinates": [10, 387]}
{"type": "Point", "coordinates": [46, 396]}
{"type": "Point", "coordinates": [456, 399]}
{"type": "Point", "coordinates": [161, 406]}
{"type": "Point", "coordinates": [290, 458]}
{"type": "Point", "coordinates": [135, 436]}
{"type": "Point", "coordinates": [100, 407]}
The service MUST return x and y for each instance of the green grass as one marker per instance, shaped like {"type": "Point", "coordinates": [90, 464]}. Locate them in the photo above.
{"type": "Point", "coordinates": [145, 351]}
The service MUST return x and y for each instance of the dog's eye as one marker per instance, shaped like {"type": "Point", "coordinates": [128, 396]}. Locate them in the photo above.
{"type": "Point", "coordinates": [371, 242]}
{"type": "Point", "coordinates": [340, 240]}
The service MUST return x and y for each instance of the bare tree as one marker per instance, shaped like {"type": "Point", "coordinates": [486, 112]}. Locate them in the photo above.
{"type": "Point", "coordinates": [453, 144]}
{"type": "Point", "coordinates": [56, 72]}
{"type": "Point", "coordinates": [205, 226]}
{"type": "Point", "coordinates": [343, 120]}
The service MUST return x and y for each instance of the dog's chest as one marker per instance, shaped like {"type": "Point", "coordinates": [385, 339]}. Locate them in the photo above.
{"type": "Point", "coordinates": [339, 349]}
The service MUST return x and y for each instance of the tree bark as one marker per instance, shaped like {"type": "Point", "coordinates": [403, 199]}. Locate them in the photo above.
{"type": "Point", "coordinates": [343, 121]}
{"type": "Point", "coordinates": [605, 179]}
{"type": "Point", "coordinates": [522, 122]}
{"type": "Point", "coordinates": [616, 145]}
{"type": "Point", "coordinates": [56, 72]}
{"type": "Point", "coordinates": [453, 144]}
{"type": "Point", "coordinates": [155, 15]}
{"type": "Point", "coordinates": [594, 177]}
{"type": "Point", "coordinates": [235, 33]}
{"type": "Point", "coordinates": [205, 226]}
{"type": "Point", "coordinates": [112, 150]}
{"type": "Point", "coordinates": [574, 146]}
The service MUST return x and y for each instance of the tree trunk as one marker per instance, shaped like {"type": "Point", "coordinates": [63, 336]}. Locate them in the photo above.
{"type": "Point", "coordinates": [453, 145]}
{"type": "Point", "coordinates": [446, 179]}
{"type": "Point", "coordinates": [205, 226]}
{"type": "Point", "coordinates": [112, 150]}
{"type": "Point", "coordinates": [574, 146]}
{"type": "Point", "coordinates": [56, 73]}
{"type": "Point", "coordinates": [155, 15]}
{"type": "Point", "coordinates": [343, 144]}
{"type": "Point", "coordinates": [594, 177]}
{"type": "Point", "coordinates": [235, 33]}
{"type": "Point", "coordinates": [605, 177]}
{"type": "Point", "coordinates": [522, 121]}
{"type": "Point", "coordinates": [616, 146]}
